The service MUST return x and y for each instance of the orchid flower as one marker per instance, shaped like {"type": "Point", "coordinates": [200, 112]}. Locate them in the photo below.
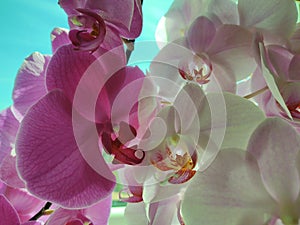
{"type": "Point", "coordinates": [25, 204]}
{"type": "Point", "coordinates": [97, 214]}
{"type": "Point", "coordinates": [102, 23]}
{"type": "Point", "coordinates": [257, 186]}
{"type": "Point", "coordinates": [64, 192]}
{"type": "Point", "coordinates": [9, 215]}
{"type": "Point", "coordinates": [213, 56]}
{"type": "Point", "coordinates": [30, 81]}
{"type": "Point", "coordinates": [73, 131]}
{"type": "Point", "coordinates": [184, 138]}
{"type": "Point", "coordinates": [278, 72]}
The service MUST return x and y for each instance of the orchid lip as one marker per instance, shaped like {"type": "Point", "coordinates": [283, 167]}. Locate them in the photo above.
{"type": "Point", "coordinates": [199, 69]}
{"type": "Point", "coordinates": [183, 165]}
{"type": "Point", "coordinates": [122, 153]}
{"type": "Point", "coordinates": [91, 30]}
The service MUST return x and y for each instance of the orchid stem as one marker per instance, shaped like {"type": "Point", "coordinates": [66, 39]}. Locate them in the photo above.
{"type": "Point", "coordinates": [41, 212]}
{"type": "Point", "coordinates": [256, 93]}
{"type": "Point", "coordinates": [129, 47]}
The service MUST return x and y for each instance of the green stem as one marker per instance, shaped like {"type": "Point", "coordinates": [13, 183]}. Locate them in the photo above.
{"type": "Point", "coordinates": [41, 212]}
{"type": "Point", "coordinates": [256, 93]}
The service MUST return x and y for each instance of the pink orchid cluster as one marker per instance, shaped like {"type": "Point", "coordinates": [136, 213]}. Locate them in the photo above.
{"type": "Point", "coordinates": [209, 134]}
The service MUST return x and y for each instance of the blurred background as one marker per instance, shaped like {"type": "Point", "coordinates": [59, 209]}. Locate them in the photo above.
{"type": "Point", "coordinates": [26, 28]}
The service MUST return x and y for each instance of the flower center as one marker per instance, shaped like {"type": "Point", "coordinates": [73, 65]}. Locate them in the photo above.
{"type": "Point", "coordinates": [89, 32]}
{"type": "Point", "coordinates": [181, 164]}
{"type": "Point", "coordinates": [119, 149]}
{"type": "Point", "coordinates": [295, 110]}
{"type": "Point", "coordinates": [198, 69]}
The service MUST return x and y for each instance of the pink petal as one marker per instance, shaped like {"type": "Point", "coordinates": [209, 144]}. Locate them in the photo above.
{"type": "Point", "coordinates": [8, 214]}
{"type": "Point", "coordinates": [8, 130]}
{"type": "Point", "coordinates": [232, 49]}
{"type": "Point", "coordinates": [75, 222]}
{"type": "Point", "coordinates": [2, 187]}
{"type": "Point", "coordinates": [99, 213]}
{"type": "Point", "coordinates": [280, 59]}
{"type": "Point", "coordinates": [63, 216]}
{"type": "Point", "coordinates": [200, 34]}
{"type": "Point", "coordinates": [295, 39]}
{"type": "Point", "coordinates": [52, 162]}
{"type": "Point", "coordinates": [275, 145]}
{"type": "Point", "coordinates": [136, 21]}
{"type": "Point", "coordinates": [66, 68]}
{"type": "Point", "coordinates": [269, 77]}
{"type": "Point", "coordinates": [31, 223]}
{"type": "Point", "coordinates": [229, 192]}
{"type": "Point", "coordinates": [71, 6]}
{"type": "Point", "coordinates": [30, 83]}
{"type": "Point", "coordinates": [8, 172]}
{"type": "Point", "coordinates": [276, 16]}
{"type": "Point", "coordinates": [294, 68]}
{"type": "Point", "coordinates": [59, 37]}
{"type": "Point", "coordinates": [75, 72]}
{"type": "Point", "coordinates": [134, 28]}
{"type": "Point", "coordinates": [112, 40]}
{"type": "Point", "coordinates": [164, 212]}
{"type": "Point", "coordinates": [121, 93]}
{"type": "Point", "coordinates": [25, 204]}
{"type": "Point", "coordinates": [120, 11]}
{"type": "Point", "coordinates": [291, 95]}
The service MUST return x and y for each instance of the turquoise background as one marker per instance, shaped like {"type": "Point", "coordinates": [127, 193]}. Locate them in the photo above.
{"type": "Point", "coordinates": [26, 27]}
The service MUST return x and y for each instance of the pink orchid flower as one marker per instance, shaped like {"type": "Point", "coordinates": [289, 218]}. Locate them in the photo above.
{"type": "Point", "coordinates": [279, 74]}
{"type": "Point", "coordinates": [30, 81]}
{"type": "Point", "coordinates": [25, 204]}
{"type": "Point", "coordinates": [213, 56]}
{"type": "Point", "coordinates": [94, 23]}
{"type": "Point", "coordinates": [75, 175]}
{"type": "Point", "coordinates": [97, 214]}
{"type": "Point", "coordinates": [257, 186]}
{"type": "Point", "coordinates": [9, 215]}
{"type": "Point", "coordinates": [13, 188]}
{"type": "Point", "coordinates": [106, 88]}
